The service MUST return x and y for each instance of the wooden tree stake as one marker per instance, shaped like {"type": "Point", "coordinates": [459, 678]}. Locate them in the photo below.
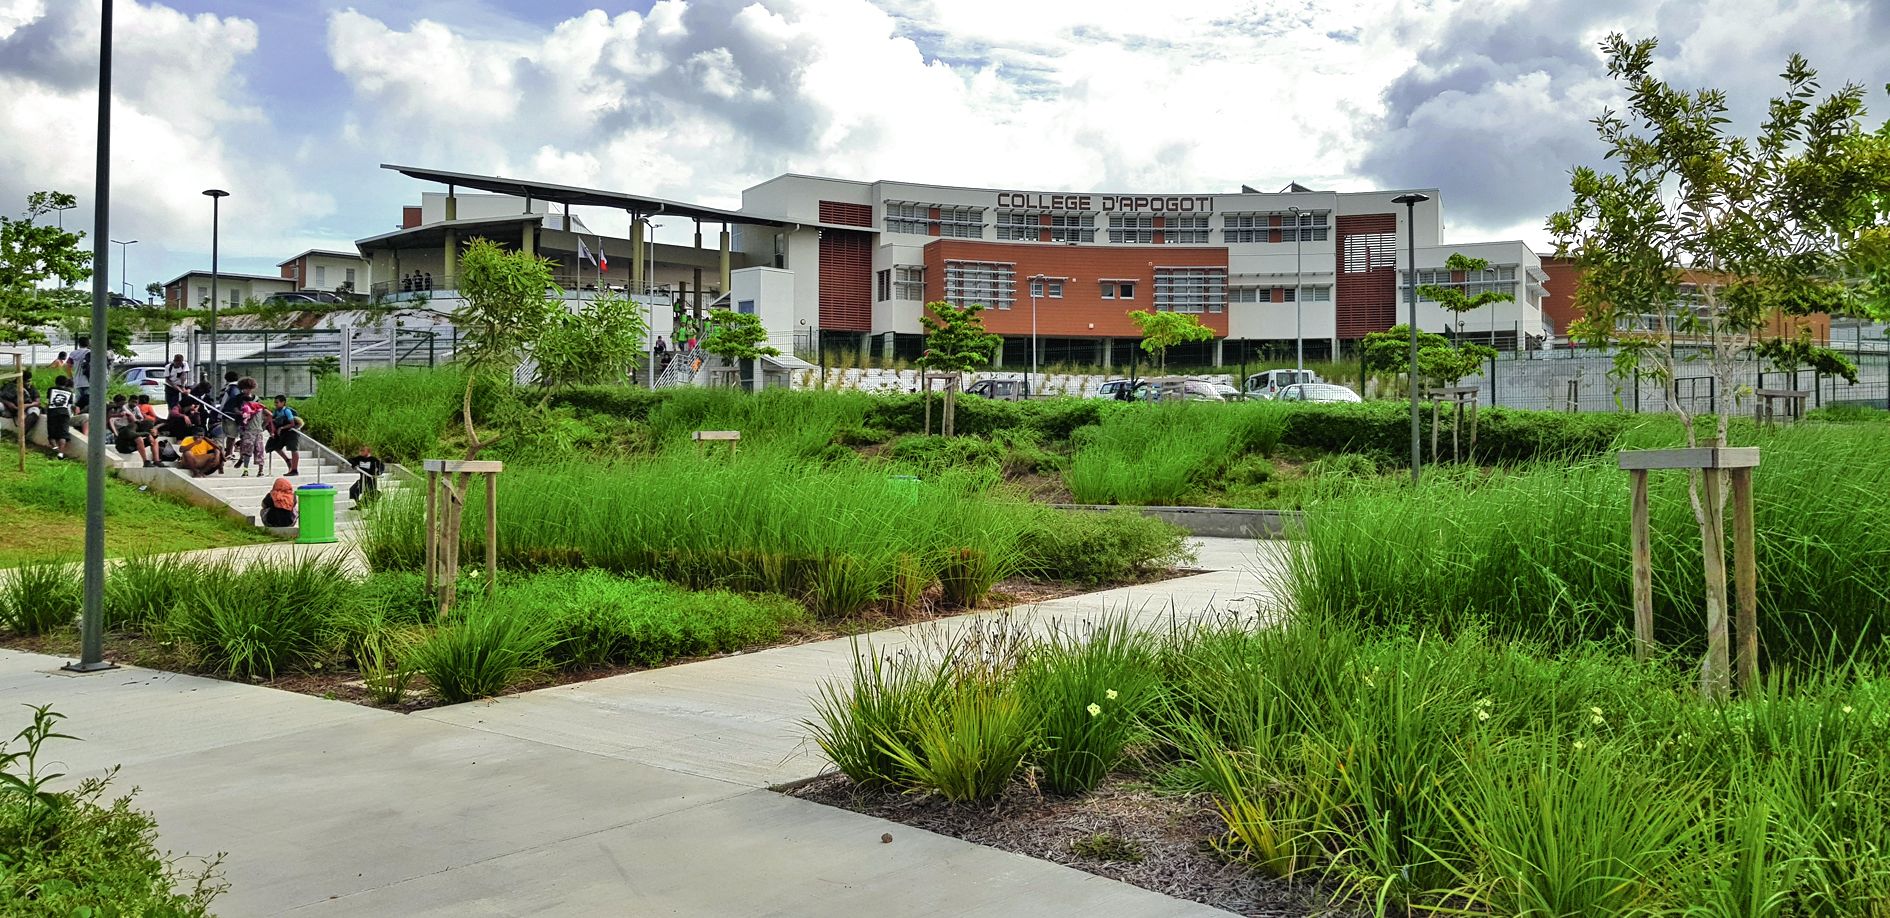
{"type": "Point", "coordinates": [1643, 570]}
{"type": "Point", "coordinates": [1746, 578]}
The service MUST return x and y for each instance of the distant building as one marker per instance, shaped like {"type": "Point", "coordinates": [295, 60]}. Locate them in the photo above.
{"type": "Point", "coordinates": [328, 271]}
{"type": "Point", "coordinates": [191, 290]}
{"type": "Point", "coordinates": [1565, 281]}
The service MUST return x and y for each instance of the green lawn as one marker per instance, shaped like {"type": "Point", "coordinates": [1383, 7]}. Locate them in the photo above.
{"type": "Point", "coordinates": [42, 516]}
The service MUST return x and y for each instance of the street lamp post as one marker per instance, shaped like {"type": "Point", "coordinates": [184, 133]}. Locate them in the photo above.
{"type": "Point", "coordinates": [1035, 280]}
{"type": "Point", "coordinates": [124, 253]}
{"type": "Point", "coordinates": [92, 601]}
{"type": "Point", "coordinates": [1299, 301]}
{"type": "Point", "coordinates": [216, 215]}
{"type": "Point", "coordinates": [1410, 202]}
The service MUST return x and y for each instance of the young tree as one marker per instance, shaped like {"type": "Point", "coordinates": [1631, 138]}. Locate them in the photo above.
{"type": "Point", "coordinates": [597, 344]}
{"type": "Point", "coordinates": [1454, 299]}
{"type": "Point", "coordinates": [1163, 330]}
{"type": "Point", "coordinates": [32, 256]}
{"type": "Point", "coordinates": [1439, 363]}
{"type": "Point", "coordinates": [739, 336]}
{"type": "Point", "coordinates": [154, 292]}
{"type": "Point", "coordinates": [955, 342]}
{"type": "Point", "coordinates": [1764, 225]}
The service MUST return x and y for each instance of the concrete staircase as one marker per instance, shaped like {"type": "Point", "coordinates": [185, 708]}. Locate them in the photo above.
{"type": "Point", "coordinates": [243, 496]}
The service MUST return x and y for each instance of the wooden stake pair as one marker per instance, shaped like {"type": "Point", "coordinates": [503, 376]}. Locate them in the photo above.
{"type": "Point", "coordinates": [443, 524]}
{"type": "Point", "coordinates": [1710, 461]}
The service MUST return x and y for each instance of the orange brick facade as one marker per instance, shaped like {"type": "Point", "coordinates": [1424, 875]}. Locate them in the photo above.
{"type": "Point", "coordinates": [1081, 312]}
{"type": "Point", "coordinates": [1565, 280]}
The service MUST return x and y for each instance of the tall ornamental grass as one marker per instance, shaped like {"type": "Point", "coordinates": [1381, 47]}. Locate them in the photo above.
{"type": "Point", "coordinates": [841, 537]}
{"type": "Point", "coordinates": [1542, 551]}
{"type": "Point", "coordinates": [1163, 453]}
{"type": "Point", "coordinates": [400, 413]}
{"type": "Point", "coordinates": [1421, 774]}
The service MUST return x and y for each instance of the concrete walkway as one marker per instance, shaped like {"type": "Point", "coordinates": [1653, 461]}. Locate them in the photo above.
{"type": "Point", "coordinates": [640, 794]}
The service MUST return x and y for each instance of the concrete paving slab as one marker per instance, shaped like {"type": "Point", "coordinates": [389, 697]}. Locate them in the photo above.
{"type": "Point", "coordinates": [337, 810]}
{"type": "Point", "coordinates": [761, 855]}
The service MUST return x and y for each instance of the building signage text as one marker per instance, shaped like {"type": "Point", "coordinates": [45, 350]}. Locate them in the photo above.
{"type": "Point", "coordinates": [1187, 204]}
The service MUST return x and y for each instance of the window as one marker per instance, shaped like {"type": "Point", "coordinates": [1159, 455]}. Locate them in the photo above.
{"type": "Point", "coordinates": [904, 218]}
{"type": "Point", "coordinates": [1319, 294]}
{"type": "Point", "coordinates": [1131, 229]}
{"type": "Point", "coordinates": [350, 279]}
{"type": "Point", "coordinates": [1249, 294]}
{"type": "Point", "coordinates": [1186, 231]}
{"type": "Point", "coordinates": [1193, 290]}
{"type": "Point", "coordinates": [745, 307]}
{"type": "Point", "coordinates": [203, 294]}
{"type": "Point", "coordinates": [908, 282]}
{"type": "Point", "coordinates": [1286, 294]}
{"type": "Point", "coordinates": [1072, 227]}
{"type": "Point", "coordinates": [992, 283]}
{"type": "Point", "coordinates": [1108, 290]}
{"type": "Point", "coordinates": [1243, 228]}
{"type": "Point", "coordinates": [321, 276]}
{"type": "Point", "coordinates": [1056, 290]}
{"type": "Point", "coordinates": [1497, 278]}
{"type": "Point", "coordinates": [883, 285]}
{"type": "Point", "coordinates": [1368, 251]}
{"type": "Point", "coordinates": [1036, 288]}
{"type": "Point", "coordinates": [1018, 225]}
{"type": "Point", "coordinates": [1126, 290]}
{"type": "Point", "coordinates": [961, 222]}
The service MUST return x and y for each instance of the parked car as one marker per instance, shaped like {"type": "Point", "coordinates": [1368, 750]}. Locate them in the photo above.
{"type": "Point", "coordinates": [1115, 389]}
{"type": "Point", "coordinates": [1229, 393]}
{"type": "Point", "coordinates": [1317, 392]}
{"type": "Point", "coordinates": [1268, 383]}
{"type": "Point", "coordinates": [148, 379]}
{"type": "Point", "coordinates": [1004, 390]}
{"type": "Point", "coordinates": [1175, 388]}
{"type": "Point", "coordinates": [301, 298]}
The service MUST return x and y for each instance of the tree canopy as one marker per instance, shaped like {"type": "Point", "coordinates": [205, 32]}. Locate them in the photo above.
{"type": "Point", "coordinates": [737, 336]}
{"type": "Point", "coordinates": [33, 256]}
{"type": "Point", "coordinates": [1163, 330]}
{"type": "Point", "coordinates": [1439, 362]}
{"type": "Point", "coordinates": [599, 343]}
{"type": "Point", "coordinates": [955, 339]}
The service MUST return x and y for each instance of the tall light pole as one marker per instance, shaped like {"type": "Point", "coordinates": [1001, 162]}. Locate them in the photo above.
{"type": "Point", "coordinates": [92, 615]}
{"type": "Point", "coordinates": [1035, 280]}
{"type": "Point", "coordinates": [1410, 202]}
{"type": "Point", "coordinates": [124, 255]}
{"type": "Point", "coordinates": [216, 213]}
{"type": "Point", "coordinates": [62, 215]}
{"type": "Point", "coordinates": [1299, 301]}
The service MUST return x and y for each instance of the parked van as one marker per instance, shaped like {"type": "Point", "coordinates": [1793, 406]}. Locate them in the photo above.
{"type": "Point", "coordinates": [1003, 390]}
{"type": "Point", "coordinates": [1268, 383]}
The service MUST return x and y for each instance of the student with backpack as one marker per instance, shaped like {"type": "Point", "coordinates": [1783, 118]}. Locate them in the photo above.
{"type": "Point", "coordinates": [60, 401]}
{"type": "Point", "coordinates": [251, 444]}
{"type": "Point", "coordinates": [288, 437]}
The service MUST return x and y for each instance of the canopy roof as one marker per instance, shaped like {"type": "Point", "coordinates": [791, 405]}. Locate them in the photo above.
{"type": "Point", "coordinates": [584, 197]}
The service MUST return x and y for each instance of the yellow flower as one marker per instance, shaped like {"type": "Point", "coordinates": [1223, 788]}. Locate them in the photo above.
{"type": "Point", "coordinates": [1597, 720]}
{"type": "Point", "coordinates": [1483, 715]}
{"type": "Point", "coordinates": [1579, 745]}
{"type": "Point", "coordinates": [1595, 711]}
{"type": "Point", "coordinates": [1094, 709]}
{"type": "Point", "coordinates": [1848, 709]}
{"type": "Point", "coordinates": [1111, 694]}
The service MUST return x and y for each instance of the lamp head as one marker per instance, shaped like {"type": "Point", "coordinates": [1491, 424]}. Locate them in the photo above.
{"type": "Point", "coordinates": [217, 193]}
{"type": "Point", "coordinates": [1411, 198]}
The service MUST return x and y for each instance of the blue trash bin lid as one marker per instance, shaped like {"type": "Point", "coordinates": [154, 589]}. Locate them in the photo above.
{"type": "Point", "coordinates": [316, 487]}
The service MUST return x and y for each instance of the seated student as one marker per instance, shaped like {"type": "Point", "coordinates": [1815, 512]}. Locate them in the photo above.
{"type": "Point", "coordinates": [199, 454]}
{"type": "Point", "coordinates": [11, 408]}
{"type": "Point", "coordinates": [125, 433]}
{"type": "Point", "coordinates": [370, 469]}
{"type": "Point", "coordinates": [278, 506]}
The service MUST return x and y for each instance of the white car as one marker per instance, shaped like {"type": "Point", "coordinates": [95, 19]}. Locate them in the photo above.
{"type": "Point", "coordinates": [149, 380]}
{"type": "Point", "coordinates": [1268, 383]}
{"type": "Point", "coordinates": [1317, 392]}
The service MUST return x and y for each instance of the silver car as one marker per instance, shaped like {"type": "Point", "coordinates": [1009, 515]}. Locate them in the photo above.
{"type": "Point", "coordinates": [1317, 392]}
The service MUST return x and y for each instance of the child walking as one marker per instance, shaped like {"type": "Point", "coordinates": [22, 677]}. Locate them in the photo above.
{"type": "Point", "coordinates": [254, 418]}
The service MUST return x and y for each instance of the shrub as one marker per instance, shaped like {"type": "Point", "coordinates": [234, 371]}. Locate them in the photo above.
{"type": "Point", "coordinates": [859, 721]}
{"type": "Point", "coordinates": [600, 619]}
{"type": "Point", "coordinates": [1250, 471]}
{"type": "Point", "coordinates": [41, 597]}
{"type": "Point", "coordinates": [487, 650]}
{"type": "Point", "coordinates": [1504, 435]}
{"type": "Point", "coordinates": [93, 858]}
{"type": "Point", "coordinates": [935, 453]}
{"type": "Point", "coordinates": [1084, 546]}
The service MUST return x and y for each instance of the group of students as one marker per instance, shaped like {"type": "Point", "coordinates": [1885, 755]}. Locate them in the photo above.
{"type": "Point", "coordinates": [23, 404]}
{"type": "Point", "coordinates": [207, 435]}
{"type": "Point", "coordinates": [417, 282]}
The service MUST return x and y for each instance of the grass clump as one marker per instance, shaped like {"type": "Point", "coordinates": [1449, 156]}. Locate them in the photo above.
{"type": "Point", "coordinates": [267, 617]}
{"type": "Point", "coordinates": [485, 651]}
{"type": "Point", "coordinates": [38, 598]}
{"type": "Point", "coordinates": [1165, 453]}
{"type": "Point", "coordinates": [1095, 548]}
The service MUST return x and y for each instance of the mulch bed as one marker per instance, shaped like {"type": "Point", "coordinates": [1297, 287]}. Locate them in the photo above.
{"type": "Point", "coordinates": [1123, 831]}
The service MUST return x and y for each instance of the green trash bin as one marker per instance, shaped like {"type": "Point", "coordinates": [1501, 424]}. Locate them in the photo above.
{"type": "Point", "coordinates": [317, 518]}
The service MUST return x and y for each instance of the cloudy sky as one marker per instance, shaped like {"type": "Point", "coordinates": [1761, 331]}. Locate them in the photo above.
{"type": "Point", "coordinates": [293, 104]}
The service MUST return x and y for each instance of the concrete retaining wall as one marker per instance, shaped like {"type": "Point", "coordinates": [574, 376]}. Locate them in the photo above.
{"type": "Point", "coordinates": [1215, 522]}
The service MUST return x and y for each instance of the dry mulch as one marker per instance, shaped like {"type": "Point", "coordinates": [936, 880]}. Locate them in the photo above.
{"type": "Point", "coordinates": [1123, 831]}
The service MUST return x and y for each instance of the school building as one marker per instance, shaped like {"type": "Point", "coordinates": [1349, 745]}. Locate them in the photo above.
{"type": "Point", "coordinates": [842, 263]}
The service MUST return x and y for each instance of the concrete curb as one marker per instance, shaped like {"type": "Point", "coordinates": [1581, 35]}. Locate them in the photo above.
{"type": "Point", "coordinates": [1216, 522]}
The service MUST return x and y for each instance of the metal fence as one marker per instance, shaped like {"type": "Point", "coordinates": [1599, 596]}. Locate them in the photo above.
{"type": "Point", "coordinates": [287, 362]}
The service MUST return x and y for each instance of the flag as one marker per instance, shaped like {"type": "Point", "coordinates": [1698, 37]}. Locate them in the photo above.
{"type": "Point", "coordinates": [584, 252]}
{"type": "Point", "coordinates": [603, 264]}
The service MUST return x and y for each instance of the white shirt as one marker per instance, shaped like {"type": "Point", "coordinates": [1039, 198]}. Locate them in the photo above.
{"type": "Point", "coordinates": [178, 374]}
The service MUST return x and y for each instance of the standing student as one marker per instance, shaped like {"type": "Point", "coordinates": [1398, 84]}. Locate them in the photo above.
{"type": "Point", "coordinates": [82, 372]}
{"type": "Point", "coordinates": [252, 445]}
{"type": "Point", "coordinates": [288, 438]}
{"type": "Point", "coordinates": [176, 381]}
{"type": "Point", "coordinates": [60, 401]}
{"type": "Point", "coordinates": [61, 364]}
{"type": "Point", "coordinates": [231, 403]}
